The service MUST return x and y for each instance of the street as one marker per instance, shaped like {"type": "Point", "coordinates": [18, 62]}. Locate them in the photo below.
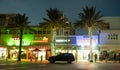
{"type": "Point", "coordinates": [105, 66]}
{"type": "Point", "coordinates": [83, 65]}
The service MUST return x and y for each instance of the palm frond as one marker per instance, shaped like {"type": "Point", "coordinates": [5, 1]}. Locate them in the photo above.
{"type": "Point", "coordinates": [19, 20]}
{"type": "Point", "coordinates": [79, 24]}
{"type": "Point", "coordinates": [55, 19]}
{"type": "Point", "coordinates": [90, 17]}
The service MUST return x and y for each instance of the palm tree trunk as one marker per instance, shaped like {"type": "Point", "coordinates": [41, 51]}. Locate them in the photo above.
{"type": "Point", "coordinates": [90, 36]}
{"type": "Point", "coordinates": [53, 41]}
{"type": "Point", "coordinates": [20, 46]}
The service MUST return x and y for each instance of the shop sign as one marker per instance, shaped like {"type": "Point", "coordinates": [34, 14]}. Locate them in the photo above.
{"type": "Point", "coordinates": [65, 40]}
{"type": "Point", "coordinates": [40, 39]}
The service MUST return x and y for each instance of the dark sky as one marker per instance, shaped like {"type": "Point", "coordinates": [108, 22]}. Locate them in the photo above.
{"type": "Point", "coordinates": [36, 9]}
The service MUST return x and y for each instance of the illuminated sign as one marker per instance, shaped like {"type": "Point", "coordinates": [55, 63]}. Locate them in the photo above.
{"type": "Point", "coordinates": [16, 42]}
{"type": "Point", "coordinates": [41, 39]}
{"type": "Point", "coordinates": [64, 40]}
{"type": "Point", "coordinates": [15, 38]}
{"type": "Point", "coordinates": [86, 41]}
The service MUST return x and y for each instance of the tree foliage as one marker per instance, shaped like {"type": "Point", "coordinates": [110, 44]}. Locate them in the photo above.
{"type": "Point", "coordinates": [55, 19]}
{"type": "Point", "coordinates": [19, 21]}
{"type": "Point", "coordinates": [89, 17]}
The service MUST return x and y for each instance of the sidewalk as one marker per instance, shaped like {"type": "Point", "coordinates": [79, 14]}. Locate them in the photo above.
{"type": "Point", "coordinates": [34, 61]}
{"type": "Point", "coordinates": [23, 61]}
{"type": "Point", "coordinates": [83, 61]}
{"type": "Point", "coordinates": [109, 62]}
{"type": "Point", "coordinates": [99, 62]}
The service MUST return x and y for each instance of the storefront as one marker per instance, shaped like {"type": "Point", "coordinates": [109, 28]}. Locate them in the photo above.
{"type": "Point", "coordinates": [28, 52]}
{"type": "Point", "coordinates": [65, 44]}
{"type": "Point", "coordinates": [109, 42]}
{"type": "Point", "coordinates": [109, 49]}
{"type": "Point", "coordinates": [13, 51]}
{"type": "Point", "coordinates": [78, 45]}
{"type": "Point", "coordinates": [30, 43]}
{"type": "Point", "coordinates": [83, 48]}
{"type": "Point", "coordinates": [39, 52]}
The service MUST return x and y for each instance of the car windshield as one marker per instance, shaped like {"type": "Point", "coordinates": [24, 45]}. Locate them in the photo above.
{"type": "Point", "coordinates": [60, 54]}
{"type": "Point", "coordinates": [63, 54]}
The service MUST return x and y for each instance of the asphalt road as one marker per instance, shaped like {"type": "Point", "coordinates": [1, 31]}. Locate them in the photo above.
{"type": "Point", "coordinates": [59, 66]}
{"type": "Point", "coordinates": [105, 66]}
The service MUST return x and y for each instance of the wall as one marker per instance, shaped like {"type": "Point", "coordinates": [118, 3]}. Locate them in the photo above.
{"type": "Point", "coordinates": [109, 37]}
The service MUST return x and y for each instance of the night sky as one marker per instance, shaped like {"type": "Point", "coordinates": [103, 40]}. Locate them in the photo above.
{"type": "Point", "coordinates": [36, 9]}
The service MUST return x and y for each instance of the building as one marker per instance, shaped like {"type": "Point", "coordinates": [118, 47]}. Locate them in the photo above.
{"type": "Point", "coordinates": [39, 44]}
{"type": "Point", "coordinates": [34, 44]}
{"type": "Point", "coordinates": [109, 40]}
{"type": "Point", "coordinates": [4, 19]}
{"type": "Point", "coordinates": [114, 22]}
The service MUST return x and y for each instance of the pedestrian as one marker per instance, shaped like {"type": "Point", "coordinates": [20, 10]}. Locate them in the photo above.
{"type": "Point", "coordinates": [31, 56]}
{"type": "Point", "coordinates": [95, 56]}
{"type": "Point", "coordinates": [88, 57]}
{"type": "Point", "coordinates": [114, 57]}
{"type": "Point", "coordinates": [107, 57]}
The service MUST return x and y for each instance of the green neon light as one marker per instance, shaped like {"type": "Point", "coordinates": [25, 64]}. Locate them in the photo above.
{"type": "Point", "coordinates": [17, 43]}
{"type": "Point", "coordinates": [26, 41]}
{"type": "Point", "coordinates": [10, 43]}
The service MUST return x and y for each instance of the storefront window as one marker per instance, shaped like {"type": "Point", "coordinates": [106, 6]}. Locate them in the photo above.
{"type": "Point", "coordinates": [2, 53]}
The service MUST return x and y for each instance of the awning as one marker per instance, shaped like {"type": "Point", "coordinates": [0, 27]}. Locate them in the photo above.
{"type": "Point", "coordinates": [109, 47]}
{"type": "Point", "coordinates": [40, 47]}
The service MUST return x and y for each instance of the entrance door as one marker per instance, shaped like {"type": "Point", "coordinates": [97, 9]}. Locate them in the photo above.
{"type": "Point", "coordinates": [42, 55]}
{"type": "Point", "coordinates": [2, 53]}
{"type": "Point", "coordinates": [83, 55]}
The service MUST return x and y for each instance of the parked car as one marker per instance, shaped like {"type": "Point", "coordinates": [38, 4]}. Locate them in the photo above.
{"type": "Point", "coordinates": [62, 57]}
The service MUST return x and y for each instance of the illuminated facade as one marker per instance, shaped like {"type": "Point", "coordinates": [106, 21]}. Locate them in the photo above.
{"type": "Point", "coordinates": [38, 44]}
{"type": "Point", "coordinates": [34, 44]}
{"type": "Point", "coordinates": [78, 45]}
{"type": "Point", "coordinates": [109, 41]}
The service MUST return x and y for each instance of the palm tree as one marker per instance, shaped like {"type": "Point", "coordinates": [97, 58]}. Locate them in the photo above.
{"type": "Point", "coordinates": [90, 18]}
{"type": "Point", "coordinates": [56, 19]}
{"type": "Point", "coordinates": [19, 21]}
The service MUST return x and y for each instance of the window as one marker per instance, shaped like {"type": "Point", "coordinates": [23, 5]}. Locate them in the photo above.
{"type": "Point", "coordinates": [39, 32]}
{"type": "Point", "coordinates": [113, 36]}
